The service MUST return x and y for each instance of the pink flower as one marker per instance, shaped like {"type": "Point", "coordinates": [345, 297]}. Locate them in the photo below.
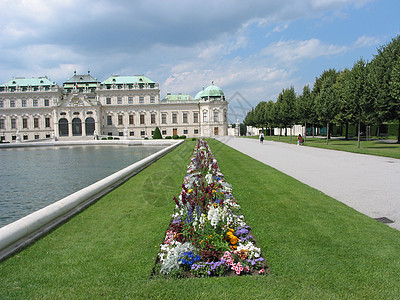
{"type": "Point", "coordinates": [261, 271]}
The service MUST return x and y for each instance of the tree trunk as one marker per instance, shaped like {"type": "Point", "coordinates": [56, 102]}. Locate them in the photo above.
{"type": "Point", "coordinates": [347, 131]}
{"type": "Point", "coordinates": [398, 133]}
{"type": "Point", "coordinates": [313, 131]}
{"type": "Point", "coordinates": [305, 131]}
{"type": "Point", "coordinates": [327, 133]}
{"type": "Point", "coordinates": [359, 134]}
{"type": "Point", "coordinates": [377, 130]}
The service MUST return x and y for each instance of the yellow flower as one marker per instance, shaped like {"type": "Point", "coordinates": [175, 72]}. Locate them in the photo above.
{"type": "Point", "coordinates": [191, 190]}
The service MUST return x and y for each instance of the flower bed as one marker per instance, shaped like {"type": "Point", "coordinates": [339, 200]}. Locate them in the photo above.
{"type": "Point", "coordinates": [207, 235]}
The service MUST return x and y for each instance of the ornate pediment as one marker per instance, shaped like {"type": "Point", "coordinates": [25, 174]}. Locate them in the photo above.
{"type": "Point", "coordinates": [76, 100]}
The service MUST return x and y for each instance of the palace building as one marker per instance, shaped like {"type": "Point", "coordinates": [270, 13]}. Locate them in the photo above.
{"type": "Point", "coordinates": [127, 106]}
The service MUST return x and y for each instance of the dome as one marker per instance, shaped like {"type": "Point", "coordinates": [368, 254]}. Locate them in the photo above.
{"type": "Point", "coordinates": [198, 95]}
{"type": "Point", "coordinates": [212, 91]}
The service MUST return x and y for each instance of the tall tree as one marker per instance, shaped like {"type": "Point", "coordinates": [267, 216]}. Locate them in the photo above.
{"type": "Point", "coordinates": [385, 79]}
{"type": "Point", "coordinates": [345, 114]}
{"type": "Point", "coordinates": [269, 115]}
{"type": "Point", "coordinates": [305, 109]}
{"type": "Point", "coordinates": [326, 98]}
{"type": "Point", "coordinates": [357, 94]}
{"type": "Point", "coordinates": [289, 108]}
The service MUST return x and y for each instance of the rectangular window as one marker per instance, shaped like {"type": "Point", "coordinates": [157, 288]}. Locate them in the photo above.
{"type": "Point", "coordinates": [174, 118]}
{"type": "Point", "coordinates": [1, 103]}
{"type": "Point", "coordinates": [46, 102]}
{"type": "Point", "coordinates": [185, 131]}
{"type": "Point", "coordinates": [109, 133]}
{"type": "Point", "coordinates": [108, 100]}
{"type": "Point", "coordinates": [216, 117]}
{"type": "Point", "coordinates": [153, 118]}
{"type": "Point", "coordinates": [142, 120]}
{"type": "Point", "coordinates": [109, 120]}
{"type": "Point", "coordinates": [205, 117]}
{"type": "Point", "coordinates": [185, 117]}
{"type": "Point", "coordinates": [36, 122]}
{"type": "Point", "coordinates": [152, 99]}
{"type": "Point", "coordinates": [196, 131]}
{"type": "Point", "coordinates": [119, 100]}
{"type": "Point", "coordinates": [23, 102]}
{"type": "Point", "coordinates": [25, 137]}
{"type": "Point", "coordinates": [12, 103]}
{"type": "Point", "coordinates": [35, 102]}
{"type": "Point", "coordinates": [131, 133]}
{"type": "Point", "coordinates": [36, 136]}
{"type": "Point", "coordinates": [47, 122]}
{"type": "Point", "coordinates": [120, 120]}
{"type": "Point", "coordinates": [24, 123]}
{"type": "Point", "coordinates": [164, 132]}
{"type": "Point", "coordinates": [121, 133]}
{"type": "Point", "coordinates": [142, 133]}
{"type": "Point", "coordinates": [130, 100]}
{"type": "Point", "coordinates": [13, 123]}
{"type": "Point", "coordinates": [164, 118]}
{"type": "Point", "coordinates": [131, 120]}
{"type": "Point", "coordinates": [141, 99]}
{"type": "Point", "coordinates": [225, 116]}
{"type": "Point", "coordinates": [195, 117]}
{"type": "Point", "coordinates": [2, 124]}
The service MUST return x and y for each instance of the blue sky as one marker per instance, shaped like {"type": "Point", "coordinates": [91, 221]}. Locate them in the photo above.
{"type": "Point", "coordinates": [254, 48]}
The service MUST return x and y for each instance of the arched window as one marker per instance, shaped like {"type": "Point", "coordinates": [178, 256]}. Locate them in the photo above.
{"type": "Point", "coordinates": [63, 127]}
{"type": "Point", "coordinates": [89, 125]}
{"type": "Point", "coordinates": [76, 127]}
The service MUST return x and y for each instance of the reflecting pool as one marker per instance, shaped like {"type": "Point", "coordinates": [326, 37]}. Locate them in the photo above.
{"type": "Point", "coordinates": [32, 178]}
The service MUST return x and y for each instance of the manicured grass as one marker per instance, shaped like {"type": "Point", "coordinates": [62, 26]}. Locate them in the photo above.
{"type": "Point", "coordinates": [373, 147]}
{"type": "Point", "coordinates": [316, 247]}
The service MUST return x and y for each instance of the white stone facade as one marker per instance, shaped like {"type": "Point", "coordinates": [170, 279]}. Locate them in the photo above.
{"type": "Point", "coordinates": [125, 106]}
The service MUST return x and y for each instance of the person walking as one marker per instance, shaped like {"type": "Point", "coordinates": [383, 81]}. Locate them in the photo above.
{"type": "Point", "coordinates": [261, 137]}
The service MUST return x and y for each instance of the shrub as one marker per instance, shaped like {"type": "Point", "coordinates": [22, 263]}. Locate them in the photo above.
{"type": "Point", "coordinates": [116, 138]}
{"type": "Point", "coordinates": [182, 137]}
{"type": "Point", "coordinates": [146, 138]}
{"type": "Point", "coordinates": [157, 134]}
{"type": "Point", "coordinates": [168, 137]}
{"type": "Point", "coordinates": [103, 138]}
{"type": "Point", "coordinates": [194, 139]}
{"type": "Point", "coordinates": [110, 138]}
{"type": "Point", "coordinates": [175, 136]}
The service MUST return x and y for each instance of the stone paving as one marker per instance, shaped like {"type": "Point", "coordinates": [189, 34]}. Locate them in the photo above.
{"type": "Point", "coordinates": [369, 184]}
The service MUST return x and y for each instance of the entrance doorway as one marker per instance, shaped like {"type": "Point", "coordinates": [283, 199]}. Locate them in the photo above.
{"type": "Point", "coordinates": [76, 127]}
{"type": "Point", "coordinates": [89, 126]}
{"type": "Point", "coordinates": [215, 130]}
{"type": "Point", "coordinates": [175, 131]}
{"type": "Point", "coordinates": [63, 127]}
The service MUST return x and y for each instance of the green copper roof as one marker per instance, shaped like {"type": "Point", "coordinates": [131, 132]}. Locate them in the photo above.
{"type": "Point", "coordinates": [179, 97]}
{"type": "Point", "coordinates": [212, 91]}
{"type": "Point", "coordinates": [116, 79]}
{"type": "Point", "coordinates": [22, 81]}
{"type": "Point", "coordinates": [198, 95]}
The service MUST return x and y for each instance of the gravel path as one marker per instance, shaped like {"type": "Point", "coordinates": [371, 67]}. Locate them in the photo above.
{"type": "Point", "coordinates": [369, 184]}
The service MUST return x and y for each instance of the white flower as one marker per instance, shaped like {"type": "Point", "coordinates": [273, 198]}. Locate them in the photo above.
{"type": "Point", "coordinates": [213, 215]}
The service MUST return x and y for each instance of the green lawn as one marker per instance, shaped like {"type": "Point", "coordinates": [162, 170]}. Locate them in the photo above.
{"type": "Point", "coordinates": [316, 247]}
{"type": "Point", "coordinates": [374, 147]}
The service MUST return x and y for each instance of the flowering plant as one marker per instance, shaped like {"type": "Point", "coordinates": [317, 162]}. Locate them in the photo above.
{"type": "Point", "coordinates": [207, 236]}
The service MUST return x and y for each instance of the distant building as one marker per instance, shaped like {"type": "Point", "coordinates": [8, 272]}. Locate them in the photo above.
{"type": "Point", "coordinates": [37, 108]}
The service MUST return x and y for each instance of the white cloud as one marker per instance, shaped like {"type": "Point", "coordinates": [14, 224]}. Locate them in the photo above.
{"type": "Point", "coordinates": [366, 41]}
{"type": "Point", "coordinates": [294, 50]}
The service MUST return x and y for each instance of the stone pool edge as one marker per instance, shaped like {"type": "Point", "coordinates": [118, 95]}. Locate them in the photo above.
{"type": "Point", "coordinates": [25, 231]}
